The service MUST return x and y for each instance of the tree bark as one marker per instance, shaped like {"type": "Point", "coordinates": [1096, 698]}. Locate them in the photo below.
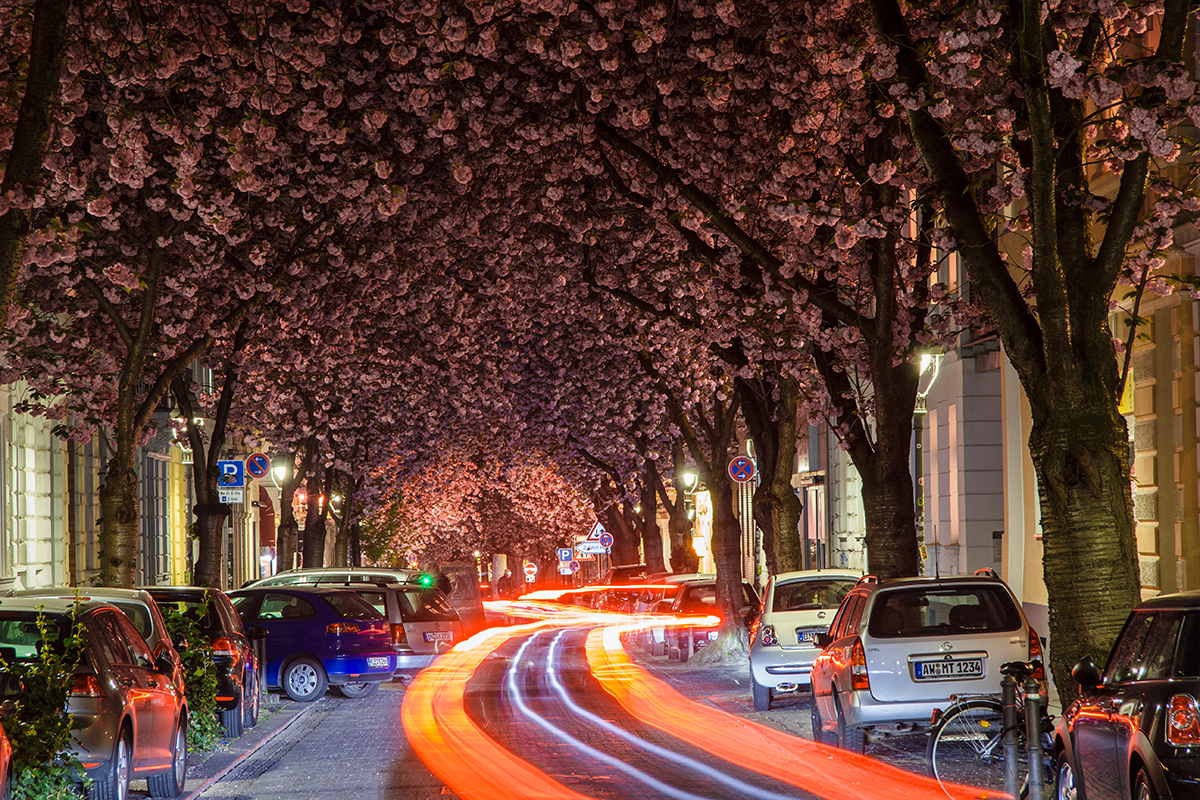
{"type": "Point", "coordinates": [314, 522]}
{"type": "Point", "coordinates": [772, 426]}
{"type": "Point", "coordinates": [119, 505]}
{"type": "Point", "coordinates": [46, 49]}
{"type": "Point", "coordinates": [651, 535]}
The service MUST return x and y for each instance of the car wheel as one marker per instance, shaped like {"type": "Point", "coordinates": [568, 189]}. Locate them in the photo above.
{"type": "Point", "coordinates": [683, 649]}
{"type": "Point", "coordinates": [761, 695]}
{"type": "Point", "coordinates": [1143, 789]}
{"type": "Point", "coordinates": [304, 680]}
{"type": "Point", "coordinates": [818, 724]}
{"type": "Point", "coordinates": [170, 784]}
{"type": "Point", "coordinates": [250, 700]}
{"type": "Point", "coordinates": [1064, 780]}
{"type": "Point", "coordinates": [849, 738]}
{"type": "Point", "coordinates": [115, 786]}
{"type": "Point", "coordinates": [658, 648]}
{"type": "Point", "coordinates": [357, 690]}
{"type": "Point", "coordinates": [231, 718]}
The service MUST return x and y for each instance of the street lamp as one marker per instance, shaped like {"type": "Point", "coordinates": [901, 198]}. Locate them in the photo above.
{"type": "Point", "coordinates": [930, 365]}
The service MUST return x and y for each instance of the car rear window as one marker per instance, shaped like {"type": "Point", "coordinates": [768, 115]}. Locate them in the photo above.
{"type": "Point", "coordinates": [349, 605]}
{"type": "Point", "coordinates": [426, 605]}
{"type": "Point", "coordinates": [193, 606]}
{"type": "Point", "coordinates": [810, 595]}
{"type": "Point", "coordinates": [942, 610]}
{"type": "Point", "coordinates": [20, 637]}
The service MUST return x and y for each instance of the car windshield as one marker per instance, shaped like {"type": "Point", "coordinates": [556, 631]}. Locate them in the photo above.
{"type": "Point", "coordinates": [811, 595]}
{"type": "Point", "coordinates": [349, 605]}
{"type": "Point", "coordinates": [942, 610]}
{"type": "Point", "coordinates": [426, 605]}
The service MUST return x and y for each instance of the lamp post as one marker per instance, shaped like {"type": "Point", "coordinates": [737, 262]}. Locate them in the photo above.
{"type": "Point", "coordinates": [930, 364]}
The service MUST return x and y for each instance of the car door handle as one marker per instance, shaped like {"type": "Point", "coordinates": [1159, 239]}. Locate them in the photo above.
{"type": "Point", "coordinates": [126, 683]}
{"type": "Point", "coordinates": [152, 684]}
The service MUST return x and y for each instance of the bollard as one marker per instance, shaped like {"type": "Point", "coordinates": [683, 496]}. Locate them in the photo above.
{"type": "Point", "coordinates": [1008, 699]}
{"type": "Point", "coordinates": [1033, 737]}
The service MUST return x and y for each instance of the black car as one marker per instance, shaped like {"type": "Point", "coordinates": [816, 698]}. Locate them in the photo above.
{"type": "Point", "coordinates": [700, 598]}
{"type": "Point", "coordinates": [233, 651]}
{"type": "Point", "coordinates": [1134, 731]}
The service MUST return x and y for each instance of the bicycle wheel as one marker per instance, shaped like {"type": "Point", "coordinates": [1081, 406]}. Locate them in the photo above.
{"type": "Point", "coordinates": [966, 746]}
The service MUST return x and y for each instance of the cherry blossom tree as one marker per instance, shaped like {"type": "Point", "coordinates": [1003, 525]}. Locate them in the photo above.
{"type": "Point", "coordinates": [1051, 135]}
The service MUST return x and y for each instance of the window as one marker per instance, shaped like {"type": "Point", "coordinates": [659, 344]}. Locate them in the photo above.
{"type": "Point", "coordinates": [137, 645]}
{"type": "Point", "coordinates": [425, 605]}
{"type": "Point", "coordinates": [286, 606]}
{"type": "Point", "coordinates": [108, 627]}
{"type": "Point", "coordinates": [837, 628]}
{"type": "Point", "coordinates": [376, 599]}
{"type": "Point", "coordinates": [349, 605]}
{"type": "Point", "coordinates": [138, 614]}
{"type": "Point", "coordinates": [810, 595]}
{"type": "Point", "coordinates": [1146, 648]}
{"type": "Point", "coordinates": [941, 611]}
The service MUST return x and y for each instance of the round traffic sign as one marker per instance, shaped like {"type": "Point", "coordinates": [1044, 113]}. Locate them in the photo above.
{"type": "Point", "coordinates": [573, 566]}
{"type": "Point", "coordinates": [531, 569]}
{"type": "Point", "coordinates": [606, 540]}
{"type": "Point", "coordinates": [257, 465]}
{"type": "Point", "coordinates": [741, 469]}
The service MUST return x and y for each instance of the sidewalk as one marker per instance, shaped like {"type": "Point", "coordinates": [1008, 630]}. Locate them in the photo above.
{"type": "Point", "coordinates": [276, 714]}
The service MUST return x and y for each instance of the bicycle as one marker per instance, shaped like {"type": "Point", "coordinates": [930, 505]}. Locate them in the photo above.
{"type": "Point", "coordinates": [966, 745]}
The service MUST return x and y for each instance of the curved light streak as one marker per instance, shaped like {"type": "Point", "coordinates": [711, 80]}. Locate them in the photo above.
{"type": "Point", "coordinates": [453, 746]}
{"type": "Point", "coordinates": [662, 752]}
{"type": "Point", "coordinates": [826, 771]}
{"type": "Point", "coordinates": [602, 757]}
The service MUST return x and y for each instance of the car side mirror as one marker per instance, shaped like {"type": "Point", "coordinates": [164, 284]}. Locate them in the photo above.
{"type": "Point", "coordinates": [10, 686]}
{"type": "Point", "coordinates": [824, 639]}
{"type": "Point", "coordinates": [164, 664]}
{"type": "Point", "coordinates": [256, 632]}
{"type": "Point", "coordinates": [1086, 674]}
{"type": "Point", "coordinates": [7, 709]}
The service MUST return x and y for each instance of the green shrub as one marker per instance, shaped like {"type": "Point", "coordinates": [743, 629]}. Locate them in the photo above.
{"type": "Point", "coordinates": [199, 678]}
{"type": "Point", "coordinates": [40, 729]}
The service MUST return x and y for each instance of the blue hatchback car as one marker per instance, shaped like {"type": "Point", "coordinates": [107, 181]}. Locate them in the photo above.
{"type": "Point", "coordinates": [317, 637]}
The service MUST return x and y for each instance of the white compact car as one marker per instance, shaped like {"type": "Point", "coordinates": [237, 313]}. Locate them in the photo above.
{"type": "Point", "coordinates": [783, 643]}
{"type": "Point", "coordinates": [898, 649]}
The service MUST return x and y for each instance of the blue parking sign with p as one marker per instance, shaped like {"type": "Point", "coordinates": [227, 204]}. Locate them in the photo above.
{"type": "Point", "coordinates": [564, 554]}
{"type": "Point", "coordinates": [232, 475]}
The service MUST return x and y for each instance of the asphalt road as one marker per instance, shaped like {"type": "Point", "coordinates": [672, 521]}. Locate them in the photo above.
{"type": "Point", "coordinates": [339, 748]}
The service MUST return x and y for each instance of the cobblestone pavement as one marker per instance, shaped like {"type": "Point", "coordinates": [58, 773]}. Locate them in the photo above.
{"type": "Point", "coordinates": [338, 748]}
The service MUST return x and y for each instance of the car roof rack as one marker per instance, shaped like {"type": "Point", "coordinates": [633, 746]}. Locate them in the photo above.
{"type": "Point", "coordinates": [986, 572]}
{"type": "Point", "coordinates": [867, 579]}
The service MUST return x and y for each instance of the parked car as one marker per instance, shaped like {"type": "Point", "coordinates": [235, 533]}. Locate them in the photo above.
{"type": "Point", "coordinates": [626, 573]}
{"type": "Point", "coordinates": [10, 687]}
{"type": "Point", "coordinates": [1134, 729]}
{"type": "Point", "coordinates": [233, 652]}
{"type": "Point", "coordinates": [137, 604]}
{"type": "Point", "coordinates": [129, 715]}
{"type": "Point", "coordinates": [700, 597]}
{"type": "Point", "coordinates": [783, 640]}
{"type": "Point", "coordinates": [898, 649]}
{"type": "Point", "coordinates": [657, 600]}
{"type": "Point", "coordinates": [334, 576]}
{"type": "Point", "coordinates": [422, 621]}
{"type": "Point", "coordinates": [317, 636]}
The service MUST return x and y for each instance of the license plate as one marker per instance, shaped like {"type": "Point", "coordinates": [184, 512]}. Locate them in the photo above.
{"type": "Point", "coordinates": [712, 636]}
{"type": "Point", "coordinates": [377, 662]}
{"type": "Point", "coordinates": [807, 637]}
{"type": "Point", "coordinates": [948, 669]}
{"type": "Point", "coordinates": [439, 636]}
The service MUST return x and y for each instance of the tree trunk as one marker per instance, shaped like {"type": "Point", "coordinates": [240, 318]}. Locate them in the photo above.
{"type": "Point", "coordinates": [651, 535]}
{"type": "Point", "coordinates": [1081, 458]}
{"type": "Point", "coordinates": [772, 427]}
{"type": "Point", "coordinates": [314, 525]}
{"type": "Point", "coordinates": [46, 48]}
{"type": "Point", "coordinates": [210, 531]}
{"type": "Point", "coordinates": [727, 552]}
{"type": "Point", "coordinates": [119, 505]}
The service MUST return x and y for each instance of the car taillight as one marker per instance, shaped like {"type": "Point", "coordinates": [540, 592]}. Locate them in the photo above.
{"type": "Point", "coordinates": [858, 666]}
{"type": "Point", "coordinates": [341, 627]}
{"type": "Point", "coordinates": [1183, 721]}
{"type": "Point", "coordinates": [399, 637]}
{"type": "Point", "coordinates": [222, 647]}
{"type": "Point", "coordinates": [769, 639]}
{"type": "Point", "coordinates": [85, 686]}
{"type": "Point", "coordinates": [1035, 653]}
